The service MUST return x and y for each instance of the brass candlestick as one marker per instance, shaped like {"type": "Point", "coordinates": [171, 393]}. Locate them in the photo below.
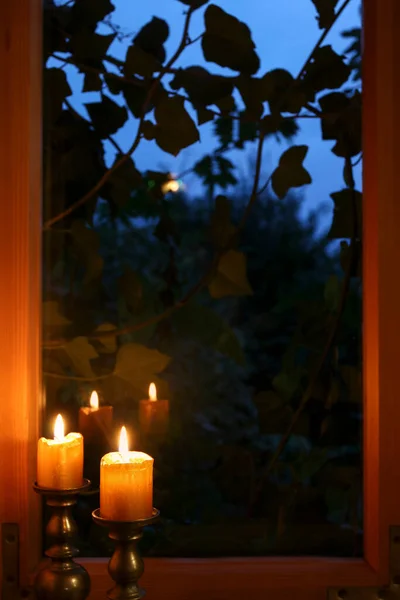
{"type": "Point", "coordinates": [62, 579]}
{"type": "Point", "coordinates": [126, 565]}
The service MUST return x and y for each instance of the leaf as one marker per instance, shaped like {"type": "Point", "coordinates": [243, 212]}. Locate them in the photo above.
{"type": "Point", "coordinates": [139, 62]}
{"type": "Point", "coordinates": [290, 173]}
{"type": "Point", "coordinates": [92, 83]}
{"type": "Point", "coordinates": [250, 90]}
{"type": "Point", "coordinates": [151, 38]}
{"type": "Point", "coordinates": [206, 326]}
{"type": "Point", "coordinates": [51, 316]}
{"type": "Point", "coordinates": [342, 121]}
{"type": "Point", "coordinates": [175, 128]}
{"type": "Point", "coordinates": [90, 47]}
{"type": "Point", "coordinates": [81, 353]}
{"type": "Point", "coordinates": [326, 12]}
{"type": "Point", "coordinates": [139, 365]}
{"type": "Point", "coordinates": [204, 115]}
{"type": "Point", "coordinates": [135, 97]}
{"type": "Point", "coordinates": [107, 116]}
{"type": "Point", "coordinates": [279, 89]}
{"type": "Point", "coordinates": [332, 293]}
{"type": "Point", "coordinates": [327, 70]}
{"type": "Point", "coordinates": [227, 42]}
{"type": "Point", "coordinates": [202, 87]}
{"type": "Point", "coordinates": [231, 277]}
{"type": "Point", "coordinates": [343, 214]}
{"type": "Point", "coordinates": [109, 342]}
{"type": "Point", "coordinates": [123, 182]}
{"type": "Point", "coordinates": [86, 14]}
{"type": "Point", "coordinates": [57, 89]}
{"type": "Point", "coordinates": [194, 4]}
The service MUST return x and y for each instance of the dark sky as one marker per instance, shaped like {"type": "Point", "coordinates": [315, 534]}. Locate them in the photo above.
{"type": "Point", "coordinates": [284, 32]}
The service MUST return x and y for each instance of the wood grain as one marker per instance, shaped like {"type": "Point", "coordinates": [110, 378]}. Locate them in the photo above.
{"type": "Point", "coordinates": [20, 197]}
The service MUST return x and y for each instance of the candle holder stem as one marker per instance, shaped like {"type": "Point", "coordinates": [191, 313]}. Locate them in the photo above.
{"type": "Point", "coordinates": [126, 566]}
{"type": "Point", "coordinates": [63, 578]}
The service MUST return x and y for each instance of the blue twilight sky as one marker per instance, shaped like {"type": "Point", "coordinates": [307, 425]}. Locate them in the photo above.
{"type": "Point", "coordinates": [284, 32]}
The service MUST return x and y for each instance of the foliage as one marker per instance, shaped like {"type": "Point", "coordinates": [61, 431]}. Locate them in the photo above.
{"type": "Point", "coordinates": [226, 306]}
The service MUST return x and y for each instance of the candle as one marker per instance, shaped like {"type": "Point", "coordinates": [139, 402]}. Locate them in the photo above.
{"type": "Point", "coordinates": [60, 461]}
{"type": "Point", "coordinates": [153, 414]}
{"type": "Point", "coordinates": [95, 422]}
{"type": "Point", "coordinates": [126, 483]}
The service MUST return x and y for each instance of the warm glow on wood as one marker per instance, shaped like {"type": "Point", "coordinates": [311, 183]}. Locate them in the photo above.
{"type": "Point", "coordinates": [153, 392]}
{"type": "Point", "coordinates": [59, 429]}
{"type": "Point", "coordinates": [94, 400]}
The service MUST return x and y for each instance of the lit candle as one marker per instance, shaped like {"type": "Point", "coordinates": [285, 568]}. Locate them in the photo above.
{"type": "Point", "coordinates": [95, 422]}
{"type": "Point", "coordinates": [60, 461]}
{"type": "Point", "coordinates": [153, 414]}
{"type": "Point", "coordinates": [126, 483]}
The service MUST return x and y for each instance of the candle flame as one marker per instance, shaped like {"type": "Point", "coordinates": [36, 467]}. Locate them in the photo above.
{"type": "Point", "coordinates": [123, 443]}
{"type": "Point", "coordinates": [94, 400]}
{"type": "Point", "coordinates": [153, 392]}
{"type": "Point", "coordinates": [59, 429]}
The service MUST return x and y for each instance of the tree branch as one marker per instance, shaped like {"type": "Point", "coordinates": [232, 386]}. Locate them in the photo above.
{"type": "Point", "coordinates": [122, 160]}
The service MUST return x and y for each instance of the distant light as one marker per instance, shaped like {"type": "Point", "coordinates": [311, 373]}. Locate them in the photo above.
{"type": "Point", "coordinates": [173, 186]}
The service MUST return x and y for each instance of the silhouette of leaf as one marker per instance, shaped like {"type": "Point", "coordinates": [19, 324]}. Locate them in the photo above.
{"type": "Point", "coordinates": [290, 173]}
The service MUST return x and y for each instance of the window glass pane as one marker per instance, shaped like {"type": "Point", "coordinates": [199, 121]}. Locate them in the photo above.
{"type": "Point", "coordinates": [202, 214]}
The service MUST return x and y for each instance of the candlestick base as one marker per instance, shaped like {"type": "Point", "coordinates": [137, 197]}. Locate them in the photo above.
{"type": "Point", "coordinates": [62, 579]}
{"type": "Point", "coordinates": [126, 565]}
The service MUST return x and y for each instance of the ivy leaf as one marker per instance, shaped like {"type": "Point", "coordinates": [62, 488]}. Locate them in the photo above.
{"type": "Point", "coordinates": [57, 89]}
{"type": "Point", "coordinates": [327, 70]}
{"type": "Point", "coordinates": [175, 128]}
{"type": "Point", "coordinates": [231, 277]}
{"type": "Point", "coordinates": [250, 90]}
{"type": "Point", "coordinates": [86, 14]}
{"type": "Point", "coordinates": [277, 125]}
{"type": "Point", "coordinates": [51, 315]}
{"type": "Point", "coordinates": [290, 173]}
{"type": "Point", "coordinates": [108, 342]}
{"type": "Point", "coordinates": [206, 326]}
{"type": "Point", "coordinates": [194, 3]}
{"type": "Point", "coordinates": [228, 43]}
{"type": "Point", "coordinates": [90, 48]}
{"type": "Point", "coordinates": [139, 365]}
{"type": "Point", "coordinates": [202, 87]}
{"type": "Point", "coordinates": [343, 214]}
{"type": "Point", "coordinates": [151, 38]}
{"type": "Point", "coordinates": [204, 115]}
{"type": "Point", "coordinates": [342, 121]}
{"type": "Point", "coordinates": [123, 182]}
{"type": "Point", "coordinates": [135, 97]}
{"type": "Point", "coordinates": [92, 82]}
{"type": "Point", "coordinates": [279, 89]}
{"type": "Point", "coordinates": [326, 12]}
{"type": "Point", "coordinates": [139, 62]}
{"type": "Point", "coordinates": [81, 353]}
{"type": "Point", "coordinates": [107, 116]}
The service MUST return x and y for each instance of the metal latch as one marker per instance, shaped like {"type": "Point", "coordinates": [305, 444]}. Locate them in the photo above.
{"type": "Point", "coordinates": [391, 591]}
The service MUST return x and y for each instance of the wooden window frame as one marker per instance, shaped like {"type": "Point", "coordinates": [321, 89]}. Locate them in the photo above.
{"type": "Point", "coordinates": [20, 307]}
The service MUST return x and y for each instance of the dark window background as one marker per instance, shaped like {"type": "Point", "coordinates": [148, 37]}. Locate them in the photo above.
{"type": "Point", "coordinates": [246, 315]}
